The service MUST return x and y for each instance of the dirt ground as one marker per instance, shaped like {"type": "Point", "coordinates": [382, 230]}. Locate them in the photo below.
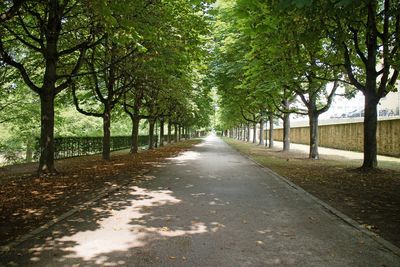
{"type": "Point", "coordinates": [372, 199]}
{"type": "Point", "coordinates": [28, 201]}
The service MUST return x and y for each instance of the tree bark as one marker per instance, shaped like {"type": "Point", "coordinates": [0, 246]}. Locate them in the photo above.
{"type": "Point", "coordinates": [151, 134]}
{"type": "Point", "coordinates": [254, 132]}
{"type": "Point", "coordinates": [261, 141]}
{"type": "Point", "coordinates": [313, 119]}
{"type": "Point", "coordinates": [266, 133]}
{"type": "Point", "coordinates": [106, 134]}
{"type": "Point", "coordinates": [161, 132]}
{"type": "Point", "coordinates": [135, 134]}
{"type": "Point", "coordinates": [248, 132]}
{"type": "Point", "coordinates": [176, 133]}
{"type": "Point", "coordinates": [46, 162]}
{"type": "Point", "coordinates": [169, 132]}
{"type": "Point", "coordinates": [286, 132]}
{"type": "Point", "coordinates": [48, 91]}
{"type": "Point", "coordinates": [271, 131]}
{"type": "Point", "coordinates": [370, 128]}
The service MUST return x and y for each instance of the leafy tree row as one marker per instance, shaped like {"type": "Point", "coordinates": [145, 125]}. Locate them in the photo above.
{"type": "Point", "coordinates": [107, 58]}
{"type": "Point", "coordinates": [274, 54]}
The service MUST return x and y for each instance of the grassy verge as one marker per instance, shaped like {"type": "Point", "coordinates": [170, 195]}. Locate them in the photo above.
{"type": "Point", "coordinates": [372, 199]}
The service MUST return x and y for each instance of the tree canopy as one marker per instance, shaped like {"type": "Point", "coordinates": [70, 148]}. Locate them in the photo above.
{"type": "Point", "coordinates": [164, 61]}
{"type": "Point", "coordinates": [269, 52]}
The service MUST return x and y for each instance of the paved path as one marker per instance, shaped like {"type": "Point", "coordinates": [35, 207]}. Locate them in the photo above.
{"type": "Point", "coordinates": [208, 207]}
{"type": "Point", "coordinates": [333, 152]}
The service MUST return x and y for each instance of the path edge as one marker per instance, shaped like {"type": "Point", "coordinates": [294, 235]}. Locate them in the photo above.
{"type": "Point", "coordinates": [104, 193]}
{"type": "Point", "coordinates": [387, 244]}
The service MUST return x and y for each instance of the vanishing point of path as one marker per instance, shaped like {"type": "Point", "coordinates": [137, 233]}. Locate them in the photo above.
{"type": "Point", "coordinates": [208, 207]}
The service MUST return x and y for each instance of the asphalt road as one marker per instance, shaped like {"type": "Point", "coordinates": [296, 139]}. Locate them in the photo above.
{"type": "Point", "coordinates": [208, 207]}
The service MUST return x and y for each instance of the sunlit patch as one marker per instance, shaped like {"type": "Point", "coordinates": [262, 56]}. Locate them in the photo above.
{"type": "Point", "coordinates": [198, 194]}
{"type": "Point", "coordinates": [195, 228]}
{"type": "Point", "coordinates": [35, 212]}
{"type": "Point", "coordinates": [216, 226]}
{"type": "Point", "coordinates": [116, 232]}
{"type": "Point", "coordinates": [266, 231]}
{"type": "Point", "coordinates": [188, 155]}
{"type": "Point", "coordinates": [208, 141]}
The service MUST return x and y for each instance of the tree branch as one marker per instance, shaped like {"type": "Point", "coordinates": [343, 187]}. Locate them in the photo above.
{"type": "Point", "coordinates": [329, 99]}
{"type": "Point", "coordinates": [79, 109]}
{"type": "Point", "coordinates": [8, 60]}
{"type": "Point", "coordinates": [19, 38]}
{"type": "Point", "coordinates": [12, 11]}
{"type": "Point", "coordinates": [357, 46]}
{"type": "Point", "coordinates": [349, 70]}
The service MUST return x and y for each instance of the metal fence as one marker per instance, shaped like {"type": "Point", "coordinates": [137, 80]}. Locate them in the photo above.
{"type": "Point", "coordinates": [66, 147]}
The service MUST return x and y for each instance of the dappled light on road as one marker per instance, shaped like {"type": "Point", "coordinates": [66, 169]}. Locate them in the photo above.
{"type": "Point", "coordinates": [128, 220]}
{"type": "Point", "coordinates": [186, 156]}
{"type": "Point", "coordinates": [115, 232]}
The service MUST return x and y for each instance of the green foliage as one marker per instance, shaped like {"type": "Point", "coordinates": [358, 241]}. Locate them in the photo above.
{"type": "Point", "coordinates": [121, 48]}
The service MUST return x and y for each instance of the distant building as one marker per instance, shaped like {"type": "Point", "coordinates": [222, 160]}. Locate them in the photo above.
{"type": "Point", "coordinates": [351, 110]}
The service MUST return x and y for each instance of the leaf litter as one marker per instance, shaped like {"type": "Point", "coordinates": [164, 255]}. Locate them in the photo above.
{"type": "Point", "coordinates": [28, 201]}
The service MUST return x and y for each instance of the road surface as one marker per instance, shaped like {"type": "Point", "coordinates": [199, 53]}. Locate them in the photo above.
{"type": "Point", "coordinates": [208, 207]}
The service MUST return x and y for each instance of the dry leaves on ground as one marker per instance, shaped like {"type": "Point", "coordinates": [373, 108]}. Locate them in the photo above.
{"type": "Point", "coordinates": [28, 201]}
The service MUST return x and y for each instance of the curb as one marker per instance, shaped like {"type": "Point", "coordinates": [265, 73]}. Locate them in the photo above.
{"type": "Point", "coordinates": [388, 245]}
{"type": "Point", "coordinates": [104, 193]}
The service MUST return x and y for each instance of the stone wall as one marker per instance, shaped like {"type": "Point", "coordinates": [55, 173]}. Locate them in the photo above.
{"type": "Point", "coordinates": [349, 136]}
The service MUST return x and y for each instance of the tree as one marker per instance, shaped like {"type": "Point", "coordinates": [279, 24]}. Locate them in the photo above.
{"type": "Point", "coordinates": [107, 83]}
{"type": "Point", "coordinates": [9, 9]}
{"type": "Point", "coordinates": [371, 40]}
{"type": "Point", "coordinates": [52, 34]}
{"type": "Point", "coordinates": [366, 37]}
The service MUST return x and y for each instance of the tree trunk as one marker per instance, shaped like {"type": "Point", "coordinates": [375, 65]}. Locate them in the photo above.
{"type": "Point", "coordinates": [244, 132]}
{"type": "Point", "coordinates": [261, 141]}
{"type": "Point", "coordinates": [47, 95]}
{"type": "Point", "coordinates": [179, 133]}
{"type": "Point", "coordinates": [176, 133]}
{"type": "Point", "coordinates": [169, 132]}
{"type": "Point", "coordinates": [46, 162]}
{"type": "Point", "coordinates": [151, 134]}
{"type": "Point", "coordinates": [370, 128]}
{"type": "Point", "coordinates": [286, 132]}
{"type": "Point", "coordinates": [254, 132]}
{"type": "Point", "coordinates": [106, 135]}
{"type": "Point", "coordinates": [135, 135]}
{"type": "Point", "coordinates": [271, 131]}
{"type": "Point", "coordinates": [313, 118]}
{"type": "Point", "coordinates": [266, 134]}
{"type": "Point", "coordinates": [161, 133]}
